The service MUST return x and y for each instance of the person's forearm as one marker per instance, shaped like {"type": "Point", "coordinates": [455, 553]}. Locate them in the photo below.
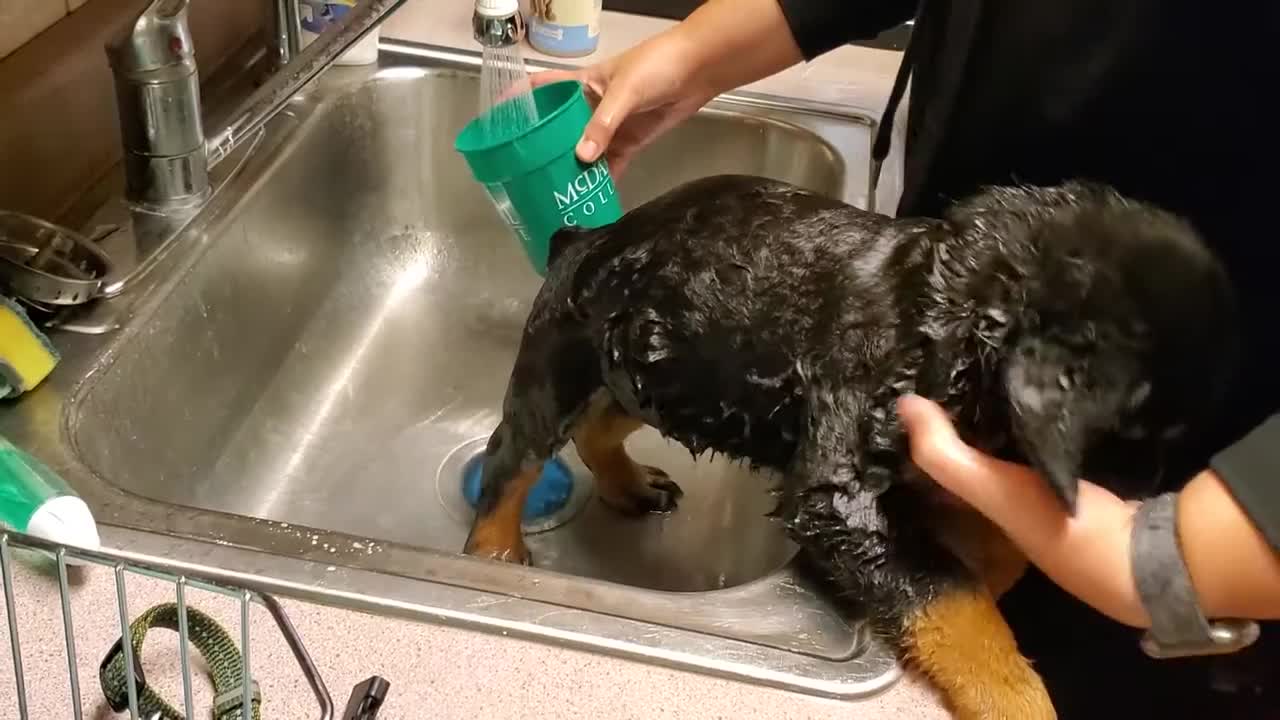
{"type": "Point", "coordinates": [735, 42]}
{"type": "Point", "coordinates": [1235, 571]}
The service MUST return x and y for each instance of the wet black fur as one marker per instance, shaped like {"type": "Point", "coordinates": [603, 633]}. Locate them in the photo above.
{"type": "Point", "coordinates": [1066, 327]}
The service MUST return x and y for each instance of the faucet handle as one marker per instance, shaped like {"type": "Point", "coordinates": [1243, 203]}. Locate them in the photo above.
{"type": "Point", "coordinates": [157, 38]}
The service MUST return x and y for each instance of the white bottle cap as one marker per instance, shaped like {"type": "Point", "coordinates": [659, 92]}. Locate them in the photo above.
{"type": "Point", "coordinates": [497, 8]}
{"type": "Point", "coordinates": [65, 520]}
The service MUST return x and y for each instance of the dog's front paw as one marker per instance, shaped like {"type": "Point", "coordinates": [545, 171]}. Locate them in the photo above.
{"type": "Point", "coordinates": [653, 491]}
{"type": "Point", "coordinates": [662, 492]}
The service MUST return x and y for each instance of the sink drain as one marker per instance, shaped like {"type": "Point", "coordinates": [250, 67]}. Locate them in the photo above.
{"type": "Point", "coordinates": [547, 496]}
{"type": "Point", "coordinates": [552, 501]}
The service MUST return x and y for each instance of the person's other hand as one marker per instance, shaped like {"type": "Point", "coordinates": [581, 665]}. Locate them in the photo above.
{"type": "Point", "coordinates": [637, 96]}
{"type": "Point", "coordinates": [1087, 555]}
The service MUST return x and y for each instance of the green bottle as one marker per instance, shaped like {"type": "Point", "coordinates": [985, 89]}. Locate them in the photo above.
{"type": "Point", "coordinates": [36, 501]}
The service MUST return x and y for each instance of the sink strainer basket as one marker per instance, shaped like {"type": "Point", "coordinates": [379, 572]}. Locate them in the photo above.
{"type": "Point", "coordinates": [48, 265]}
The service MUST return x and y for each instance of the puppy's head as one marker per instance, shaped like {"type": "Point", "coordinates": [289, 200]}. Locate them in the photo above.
{"type": "Point", "coordinates": [1125, 342]}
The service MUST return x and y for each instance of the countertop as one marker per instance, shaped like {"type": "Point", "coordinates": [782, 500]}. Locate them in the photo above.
{"type": "Point", "coordinates": [436, 671]}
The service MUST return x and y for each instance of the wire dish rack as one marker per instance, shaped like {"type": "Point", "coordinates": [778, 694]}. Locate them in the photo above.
{"type": "Point", "coordinates": [244, 695]}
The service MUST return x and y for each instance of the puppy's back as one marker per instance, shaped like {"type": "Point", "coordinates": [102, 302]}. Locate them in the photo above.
{"type": "Point", "coordinates": [729, 214]}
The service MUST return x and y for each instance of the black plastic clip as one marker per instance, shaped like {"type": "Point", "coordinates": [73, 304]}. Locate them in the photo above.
{"type": "Point", "coordinates": [366, 699]}
{"type": "Point", "coordinates": [119, 700]}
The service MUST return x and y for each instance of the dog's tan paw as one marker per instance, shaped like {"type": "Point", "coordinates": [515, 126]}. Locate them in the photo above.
{"type": "Point", "coordinates": [653, 491]}
{"type": "Point", "coordinates": [508, 552]}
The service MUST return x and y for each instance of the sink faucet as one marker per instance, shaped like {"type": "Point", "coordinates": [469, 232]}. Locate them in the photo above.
{"type": "Point", "coordinates": [167, 155]}
{"type": "Point", "coordinates": [158, 99]}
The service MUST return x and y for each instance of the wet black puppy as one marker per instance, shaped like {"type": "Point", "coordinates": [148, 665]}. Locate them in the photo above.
{"type": "Point", "coordinates": [1066, 327]}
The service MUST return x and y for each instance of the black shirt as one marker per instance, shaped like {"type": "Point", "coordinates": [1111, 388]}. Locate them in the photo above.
{"type": "Point", "coordinates": [1166, 100]}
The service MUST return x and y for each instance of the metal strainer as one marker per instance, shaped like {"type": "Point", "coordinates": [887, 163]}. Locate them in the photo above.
{"type": "Point", "coordinates": [47, 264]}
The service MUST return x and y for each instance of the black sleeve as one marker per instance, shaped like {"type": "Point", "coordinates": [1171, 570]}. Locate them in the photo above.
{"type": "Point", "coordinates": [1251, 471]}
{"type": "Point", "coordinates": [822, 25]}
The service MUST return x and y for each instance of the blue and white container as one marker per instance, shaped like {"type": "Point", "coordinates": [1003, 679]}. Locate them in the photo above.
{"type": "Point", "coordinates": [565, 28]}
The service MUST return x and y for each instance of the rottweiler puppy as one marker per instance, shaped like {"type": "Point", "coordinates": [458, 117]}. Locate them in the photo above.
{"type": "Point", "coordinates": [1066, 327]}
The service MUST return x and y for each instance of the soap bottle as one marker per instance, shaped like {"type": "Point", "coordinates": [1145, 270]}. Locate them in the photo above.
{"type": "Point", "coordinates": [565, 28]}
{"type": "Point", "coordinates": [36, 501]}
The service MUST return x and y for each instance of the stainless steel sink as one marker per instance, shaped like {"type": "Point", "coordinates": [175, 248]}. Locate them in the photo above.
{"type": "Point", "coordinates": [302, 380]}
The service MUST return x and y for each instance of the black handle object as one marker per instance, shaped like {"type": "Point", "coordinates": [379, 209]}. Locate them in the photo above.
{"type": "Point", "coordinates": [366, 699]}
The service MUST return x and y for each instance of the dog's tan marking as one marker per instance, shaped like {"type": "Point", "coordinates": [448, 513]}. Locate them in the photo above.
{"type": "Point", "coordinates": [497, 534]}
{"type": "Point", "coordinates": [623, 484]}
{"type": "Point", "coordinates": [962, 643]}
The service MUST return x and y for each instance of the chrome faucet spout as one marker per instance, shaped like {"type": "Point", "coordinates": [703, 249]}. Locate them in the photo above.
{"type": "Point", "coordinates": [167, 155]}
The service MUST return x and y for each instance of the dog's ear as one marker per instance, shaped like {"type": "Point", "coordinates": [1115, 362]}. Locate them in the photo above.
{"type": "Point", "coordinates": [1059, 396]}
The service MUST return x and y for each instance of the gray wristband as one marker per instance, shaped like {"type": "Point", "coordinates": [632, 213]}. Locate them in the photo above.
{"type": "Point", "coordinates": [1178, 626]}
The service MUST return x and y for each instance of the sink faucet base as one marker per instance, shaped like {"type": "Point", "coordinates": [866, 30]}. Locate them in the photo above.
{"type": "Point", "coordinates": [158, 184]}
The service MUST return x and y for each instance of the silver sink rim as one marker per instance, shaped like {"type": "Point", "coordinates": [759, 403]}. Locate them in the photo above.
{"type": "Point", "coordinates": [441, 594]}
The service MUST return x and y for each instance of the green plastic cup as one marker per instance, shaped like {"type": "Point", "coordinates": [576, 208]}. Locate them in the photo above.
{"type": "Point", "coordinates": [536, 182]}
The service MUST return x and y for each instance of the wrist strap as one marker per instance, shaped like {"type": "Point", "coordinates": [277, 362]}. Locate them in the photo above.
{"type": "Point", "coordinates": [1178, 626]}
{"type": "Point", "coordinates": [209, 639]}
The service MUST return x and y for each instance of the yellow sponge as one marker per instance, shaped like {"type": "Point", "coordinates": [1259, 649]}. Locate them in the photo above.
{"type": "Point", "coordinates": [26, 354]}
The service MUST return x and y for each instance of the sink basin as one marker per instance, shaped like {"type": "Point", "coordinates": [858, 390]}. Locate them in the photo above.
{"type": "Point", "coordinates": [343, 348]}
{"type": "Point", "coordinates": [329, 347]}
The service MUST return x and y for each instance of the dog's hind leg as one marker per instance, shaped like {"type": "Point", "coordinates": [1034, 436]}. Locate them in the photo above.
{"type": "Point", "coordinates": [623, 484]}
{"type": "Point", "coordinates": [554, 378]}
{"type": "Point", "coordinates": [961, 642]}
{"type": "Point", "coordinates": [879, 554]}
{"type": "Point", "coordinates": [509, 473]}
{"type": "Point", "coordinates": [943, 620]}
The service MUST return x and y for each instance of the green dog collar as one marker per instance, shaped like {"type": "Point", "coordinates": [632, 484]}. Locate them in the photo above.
{"type": "Point", "coordinates": [210, 640]}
